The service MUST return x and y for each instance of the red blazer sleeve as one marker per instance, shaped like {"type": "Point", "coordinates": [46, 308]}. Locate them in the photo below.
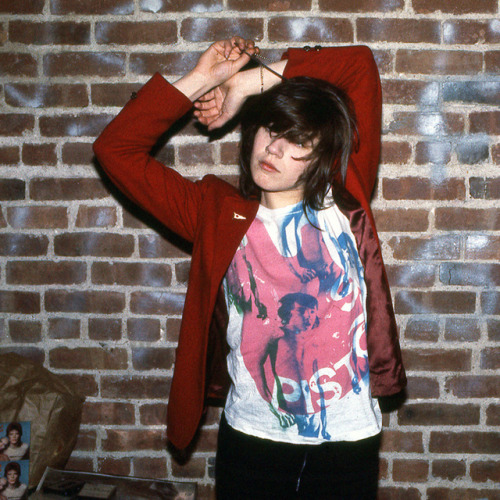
{"type": "Point", "coordinates": [123, 150]}
{"type": "Point", "coordinates": [353, 69]}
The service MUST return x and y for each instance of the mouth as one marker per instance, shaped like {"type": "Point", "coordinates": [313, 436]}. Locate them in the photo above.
{"type": "Point", "coordinates": [267, 166]}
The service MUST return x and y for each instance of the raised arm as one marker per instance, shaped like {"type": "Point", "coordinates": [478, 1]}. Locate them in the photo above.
{"type": "Point", "coordinates": [123, 148]}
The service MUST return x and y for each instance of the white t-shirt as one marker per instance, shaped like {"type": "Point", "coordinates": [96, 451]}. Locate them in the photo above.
{"type": "Point", "coordinates": [298, 355]}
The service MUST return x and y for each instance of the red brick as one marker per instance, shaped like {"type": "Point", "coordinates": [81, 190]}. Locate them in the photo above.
{"type": "Point", "coordinates": [82, 384]}
{"type": "Point", "coordinates": [493, 327]}
{"type": "Point", "coordinates": [108, 413]}
{"type": "Point", "coordinates": [422, 388]}
{"type": "Point", "coordinates": [143, 387]}
{"type": "Point", "coordinates": [84, 64]}
{"type": "Point", "coordinates": [22, 6]}
{"type": "Point", "coordinates": [96, 216]}
{"type": "Point", "coordinates": [95, 244]}
{"type": "Point", "coordinates": [105, 329]}
{"type": "Point", "coordinates": [45, 96]}
{"type": "Point", "coordinates": [143, 329]}
{"type": "Point", "coordinates": [310, 29]}
{"type": "Point", "coordinates": [438, 302]}
{"type": "Point", "coordinates": [26, 245]}
{"type": "Point", "coordinates": [100, 302]}
{"type": "Point", "coordinates": [490, 358]}
{"type": "Point", "coordinates": [202, 29]}
{"type": "Point", "coordinates": [34, 354]}
{"type": "Point", "coordinates": [471, 151]}
{"type": "Point", "coordinates": [454, 6]}
{"type": "Point", "coordinates": [173, 329]}
{"type": "Point", "coordinates": [484, 92]}
{"type": "Point", "coordinates": [473, 386]}
{"type": "Point", "coordinates": [401, 219]}
{"type": "Point", "coordinates": [83, 464]}
{"type": "Point", "coordinates": [92, 7]}
{"type": "Point", "coordinates": [49, 33]}
{"type": "Point", "coordinates": [484, 188]}
{"type": "Point", "coordinates": [398, 30]}
{"type": "Point", "coordinates": [150, 467]}
{"type": "Point", "coordinates": [422, 330]}
{"type": "Point", "coordinates": [482, 246]}
{"type": "Point", "coordinates": [426, 123]}
{"type": "Point", "coordinates": [398, 493]}
{"type": "Point", "coordinates": [131, 273]}
{"type": "Point", "coordinates": [67, 189]}
{"type": "Point", "coordinates": [437, 414]}
{"type": "Point", "coordinates": [365, 6]}
{"type": "Point", "coordinates": [493, 414]}
{"type": "Point", "coordinates": [462, 330]}
{"type": "Point", "coordinates": [229, 152]}
{"type": "Point", "coordinates": [27, 272]}
{"type": "Point", "coordinates": [73, 125]}
{"type": "Point", "coordinates": [416, 188]}
{"type": "Point", "coordinates": [156, 302]}
{"type": "Point", "coordinates": [472, 274]}
{"type": "Point", "coordinates": [19, 302]}
{"type": "Point", "coordinates": [490, 303]}
{"type": "Point", "coordinates": [64, 328]}
{"type": "Point", "coordinates": [21, 331]}
{"type": "Point", "coordinates": [437, 360]}
{"type": "Point", "coordinates": [464, 442]}
{"type": "Point", "coordinates": [266, 5]}
{"type": "Point", "coordinates": [152, 358]}
{"type": "Point", "coordinates": [485, 121]}
{"type": "Point", "coordinates": [468, 219]}
{"type": "Point", "coordinates": [12, 189]}
{"type": "Point", "coordinates": [86, 358]}
{"type": "Point", "coordinates": [433, 152]}
{"type": "Point", "coordinates": [86, 441]}
{"type": "Point", "coordinates": [410, 92]}
{"type": "Point", "coordinates": [174, 63]}
{"type": "Point", "coordinates": [39, 154]}
{"type": "Point", "coordinates": [412, 275]}
{"type": "Point", "coordinates": [194, 468]}
{"type": "Point", "coordinates": [196, 154]}
{"type": "Point", "coordinates": [438, 62]}
{"type": "Point", "coordinates": [17, 64]}
{"type": "Point", "coordinates": [153, 246]}
{"type": "Point", "coordinates": [182, 272]}
{"type": "Point", "coordinates": [15, 124]}
{"type": "Point", "coordinates": [485, 470]}
{"type": "Point", "coordinates": [113, 94]}
{"type": "Point", "coordinates": [410, 471]}
{"type": "Point", "coordinates": [136, 33]}
{"type": "Point", "coordinates": [433, 248]}
{"type": "Point", "coordinates": [448, 469]}
{"type": "Point", "coordinates": [115, 466]}
{"type": "Point", "coordinates": [401, 441]}
{"type": "Point", "coordinates": [153, 414]}
{"type": "Point", "coordinates": [37, 217]}
{"type": "Point", "coordinates": [181, 5]}
{"type": "Point", "coordinates": [492, 62]}
{"type": "Point", "coordinates": [9, 155]}
{"type": "Point", "coordinates": [77, 153]}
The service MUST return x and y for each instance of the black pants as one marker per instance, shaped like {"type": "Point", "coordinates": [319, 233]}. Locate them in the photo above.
{"type": "Point", "coordinates": [251, 468]}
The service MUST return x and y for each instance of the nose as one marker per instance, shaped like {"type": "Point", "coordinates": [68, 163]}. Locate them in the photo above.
{"type": "Point", "coordinates": [275, 146]}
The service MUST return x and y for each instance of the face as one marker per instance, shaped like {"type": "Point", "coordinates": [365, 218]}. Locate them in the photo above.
{"type": "Point", "coordinates": [276, 166]}
{"type": "Point", "coordinates": [12, 477]}
{"type": "Point", "coordinates": [302, 318]}
{"type": "Point", "coordinates": [14, 437]}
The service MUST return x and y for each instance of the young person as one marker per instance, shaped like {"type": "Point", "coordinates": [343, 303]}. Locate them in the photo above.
{"type": "Point", "coordinates": [287, 269]}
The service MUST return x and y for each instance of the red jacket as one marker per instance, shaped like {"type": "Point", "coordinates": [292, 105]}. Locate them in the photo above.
{"type": "Point", "coordinates": [203, 213]}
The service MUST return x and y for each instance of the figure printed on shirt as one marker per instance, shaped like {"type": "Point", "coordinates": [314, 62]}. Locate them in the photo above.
{"type": "Point", "coordinates": [303, 335]}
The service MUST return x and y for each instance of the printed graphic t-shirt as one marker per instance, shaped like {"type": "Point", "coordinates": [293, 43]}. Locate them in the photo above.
{"type": "Point", "coordinates": [298, 357]}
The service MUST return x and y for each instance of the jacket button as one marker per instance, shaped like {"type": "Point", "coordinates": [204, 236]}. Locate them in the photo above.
{"type": "Point", "coordinates": [317, 47]}
{"type": "Point", "coordinates": [133, 95]}
{"type": "Point", "coordinates": [307, 48]}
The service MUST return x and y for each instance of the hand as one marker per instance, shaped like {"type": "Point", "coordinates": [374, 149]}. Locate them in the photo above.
{"type": "Point", "coordinates": [216, 65]}
{"type": "Point", "coordinates": [223, 59]}
{"type": "Point", "coordinates": [219, 105]}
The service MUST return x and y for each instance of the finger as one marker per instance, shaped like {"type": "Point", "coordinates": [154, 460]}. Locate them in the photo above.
{"type": "Point", "coordinates": [204, 105]}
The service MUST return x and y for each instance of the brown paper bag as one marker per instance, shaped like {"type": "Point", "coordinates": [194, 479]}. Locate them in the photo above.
{"type": "Point", "coordinates": [30, 393]}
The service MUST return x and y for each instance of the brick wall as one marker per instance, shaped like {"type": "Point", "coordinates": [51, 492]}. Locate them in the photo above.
{"type": "Point", "coordinates": [93, 289]}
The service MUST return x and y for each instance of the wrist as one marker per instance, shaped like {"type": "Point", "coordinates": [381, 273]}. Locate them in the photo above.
{"type": "Point", "coordinates": [194, 84]}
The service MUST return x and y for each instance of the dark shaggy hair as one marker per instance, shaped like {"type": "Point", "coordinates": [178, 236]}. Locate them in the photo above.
{"type": "Point", "coordinates": [14, 426]}
{"type": "Point", "coordinates": [302, 110]}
